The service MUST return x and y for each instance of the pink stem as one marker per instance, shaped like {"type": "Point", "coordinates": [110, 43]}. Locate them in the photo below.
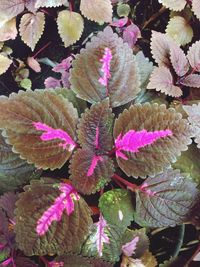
{"type": "Point", "coordinates": [125, 182]}
{"type": "Point", "coordinates": [41, 49]}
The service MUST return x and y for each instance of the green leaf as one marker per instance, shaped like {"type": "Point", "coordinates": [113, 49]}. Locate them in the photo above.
{"type": "Point", "coordinates": [80, 261]}
{"type": "Point", "coordinates": [13, 170]}
{"type": "Point", "coordinates": [87, 66]}
{"type": "Point", "coordinates": [142, 244]}
{"type": "Point", "coordinates": [99, 11]}
{"type": "Point", "coordinates": [153, 159]}
{"type": "Point", "coordinates": [63, 236]}
{"type": "Point", "coordinates": [20, 111]}
{"type": "Point", "coordinates": [26, 83]}
{"type": "Point", "coordinates": [31, 28]}
{"type": "Point", "coordinates": [165, 200]}
{"type": "Point", "coordinates": [189, 162]}
{"type": "Point", "coordinates": [70, 26]}
{"type": "Point", "coordinates": [100, 117]}
{"type": "Point", "coordinates": [117, 207]}
{"type": "Point", "coordinates": [111, 251]}
{"type": "Point", "coordinates": [79, 166]}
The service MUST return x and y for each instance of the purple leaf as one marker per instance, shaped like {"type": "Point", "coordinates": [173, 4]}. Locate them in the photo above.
{"type": "Point", "coordinates": [51, 134]}
{"type": "Point", "coordinates": [119, 22]}
{"type": "Point", "coordinates": [101, 235]}
{"type": "Point", "coordinates": [63, 202]}
{"type": "Point", "coordinates": [51, 82]}
{"type": "Point", "coordinates": [93, 165]}
{"type": "Point", "coordinates": [64, 65]}
{"type": "Point", "coordinates": [106, 59]}
{"type": "Point", "coordinates": [132, 140]}
{"type": "Point", "coordinates": [129, 248]}
{"type": "Point", "coordinates": [131, 34]}
{"type": "Point", "coordinates": [7, 203]}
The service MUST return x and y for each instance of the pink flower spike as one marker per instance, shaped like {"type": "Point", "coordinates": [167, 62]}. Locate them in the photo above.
{"type": "Point", "coordinates": [132, 141]}
{"type": "Point", "coordinates": [51, 134]}
{"type": "Point", "coordinates": [93, 165]}
{"type": "Point", "coordinates": [129, 248]}
{"type": "Point", "coordinates": [65, 201]}
{"type": "Point", "coordinates": [106, 59]}
{"type": "Point", "coordinates": [101, 236]}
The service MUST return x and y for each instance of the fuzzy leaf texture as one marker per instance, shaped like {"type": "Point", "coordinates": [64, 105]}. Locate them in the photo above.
{"type": "Point", "coordinates": [21, 112]}
{"type": "Point", "coordinates": [31, 28]}
{"type": "Point", "coordinates": [192, 80]}
{"type": "Point", "coordinates": [193, 113]}
{"type": "Point", "coordinates": [162, 80]}
{"type": "Point", "coordinates": [97, 120]}
{"type": "Point", "coordinates": [64, 202]}
{"type": "Point", "coordinates": [165, 200]}
{"type": "Point", "coordinates": [12, 8]}
{"type": "Point", "coordinates": [85, 81]}
{"type": "Point", "coordinates": [66, 235]}
{"type": "Point", "coordinates": [13, 170]}
{"type": "Point", "coordinates": [117, 207]}
{"type": "Point", "coordinates": [99, 11]}
{"type": "Point", "coordinates": [193, 56]}
{"type": "Point", "coordinates": [152, 159]}
{"type": "Point", "coordinates": [88, 176]}
{"type": "Point", "coordinates": [70, 26]}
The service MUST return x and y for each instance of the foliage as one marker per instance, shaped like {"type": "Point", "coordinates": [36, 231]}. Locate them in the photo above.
{"type": "Point", "coordinates": [97, 169]}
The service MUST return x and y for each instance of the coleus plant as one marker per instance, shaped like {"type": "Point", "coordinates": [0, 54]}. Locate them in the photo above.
{"type": "Point", "coordinates": [43, 129]}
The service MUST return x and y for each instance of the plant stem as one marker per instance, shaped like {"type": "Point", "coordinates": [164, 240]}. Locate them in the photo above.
{"type": "Point", "coordinates": [44, 261]}
{"type": "Point", "coordinates": [193, 256]}
{"type": "Point", "coordinates": [154, 16]}
{"type": "Point", "coordinates": [125, 182]}
{"type": "Point", "coordinates": [41, 49]}
{"type": "Point", "coordinates": [180, 240]}
{"type": "Point", "coordinates": [71, 5]}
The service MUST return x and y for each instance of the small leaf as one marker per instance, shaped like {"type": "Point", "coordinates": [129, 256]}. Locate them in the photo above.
{"type": "Point", "coordinates": [131, 35]}
{"type": "Point", "coordinates": [33, 64]}
{"type": "Point", "coordinates": [117, 207]}
{"type": "Point", "coordinates": [154, 158]}
{"type": "Point", "coordinates": [98, 117]}
{"type": "Point", "coordinates": [149, 260]}
{"type": "Point", "coordinates": [193, 113]}
{"type": "Point", "coordinates": [193, 56]}
{"type": "Point", "coordinates": [129, 248]}
{"type": "Point", "coordinates": [8, 30]}
{"type": "Point", "coordinates": [21, 111]}
{"type": "Point", "coordinates": [162, 80]}
{"type": "Point", "coordinates": [70, 26]}
{"type": "Point", "coordinates": [85, 80]}
{"type": "Point", "coordinates": [172, 197]}
{"type": "Point", "coordinates": [177, 5]}
{"type": "Point", "coordinates": [12, 8]}
{"type": "Point", "coordinates": [26, 83]}
{"type": "Point", "coordinates": [65, 235]}
{"type": "Point", "coordinates": [5, 63]}
{"type": "Point", "coordinates": [179, 61]}
{"type": "Point", "coordinates": [179, 29]}
{"type": "Point", "coordinates": [52, 82]}
{"type": "Point", "coordinates": [99, 11]}
{"type": "Point", "coordinates": [50, 3]}
{"type": "Point", "coordinates": [31, 28]}
{"type": "Point", "coordinates": [79, 167]}
{"type": "Point", "coordinates": [160, 48]}
{"type": "Point", "coordinates": [196, 8]}
{"type": "Point", "coordinates": [192, 80]}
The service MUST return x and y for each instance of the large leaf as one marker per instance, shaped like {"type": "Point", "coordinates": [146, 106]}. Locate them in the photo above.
{"type": "Point", "coordinates": [165, 200]}
{"type": "Point", "coordinates": [31, 28]}
{"type": "Point", "coordinates": [78, 260]}
{"type": "Point", "coordinates": [50, 3]}
{"type": "Point", "coordinates": [87, 71]}
{"type": "Point", "coordinates": [13, 170]}
{"type": "Point", "coordinates": [11, 8]}
{"type": "Point", "coordinates": [65, 235]}
{"type": "Point", "coordinates": [70, 26]}
{"type": "Point", "coordinates": [97, 119]}
{"type": "Point", "coordinates": [79, 166]}
{"type": "Point", "coordinates": [192, 80]}
{"type": "Point", "coordinates": [152, 159]}
{"type": "Point", "coordinates": [5, 63]}
{"type": "Point", "coordinates": [177, 5]}
{"type": "Point", "coordinates": [196, 8]}
{"type": "Point", "coordinates": [8, 30]}
{"type": "Point", "coordinates": [21, 112]}
{"type": "Point", "coordinates": [99, 11]}
{"type": "Point", "coordinates": [162, 80]}
{"type": "Point", "coordinates": [117, 207]}
{"type": "Point", "coordinates": [193, 113]}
